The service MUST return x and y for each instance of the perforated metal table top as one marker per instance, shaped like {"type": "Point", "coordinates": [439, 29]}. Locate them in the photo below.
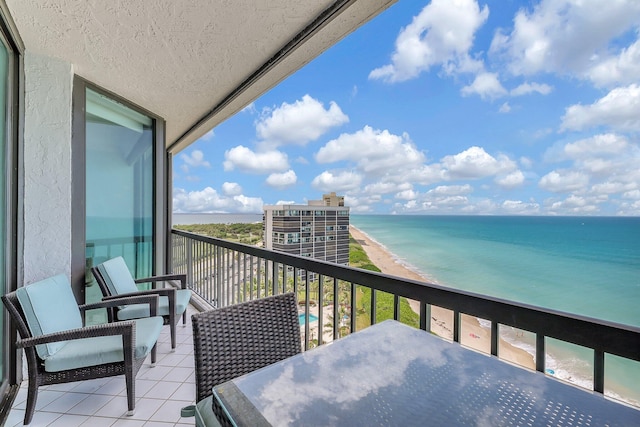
{"type": "Point", "coordinates": [390, 374]}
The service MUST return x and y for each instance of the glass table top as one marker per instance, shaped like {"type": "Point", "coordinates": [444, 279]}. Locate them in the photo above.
{"type": "Point", "coordinates": [392, 374]}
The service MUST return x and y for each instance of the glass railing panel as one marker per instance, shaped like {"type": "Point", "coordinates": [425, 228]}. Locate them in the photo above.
{"type": "Point", "coordinates": [385, 306]}
{"type": "Point", "coordinates": [475, 333]}
{"type": "Point", "coordinates": [622, 379]}
{"type": "Point", "coordinates": [442, 322]}
{"type": "Point", "coordinates": [410, 312]}
{"type": "Point", "coordinates": [363, 307]}
{"type": "Point", "coordinates": [569, 362]}
{"type": "Point", "coordinates": [517, 346]}
{"type": "Point", "coordinates": [329, 319]}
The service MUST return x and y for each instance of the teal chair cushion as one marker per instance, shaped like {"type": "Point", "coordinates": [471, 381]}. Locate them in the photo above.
{"type": "Point", "coordinates": [136, 311]}
{"type": "Point", "coordinates": [117, 276]}
{"type": "Point", "coordinates": [49, 306]}
{"type": "Point", "coordinates": [100, 350]}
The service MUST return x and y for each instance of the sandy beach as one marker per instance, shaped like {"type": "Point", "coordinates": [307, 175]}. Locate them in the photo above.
{"type": "Point", "coordinates": [472, 334]}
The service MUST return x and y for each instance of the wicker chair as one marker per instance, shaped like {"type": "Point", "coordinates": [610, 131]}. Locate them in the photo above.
{"type": "Point", "coordinates": [115, 280]}
{"type": "Point", "coordinates": [238, 339]}
{"type": "Point", "coordinates": [123, 355]}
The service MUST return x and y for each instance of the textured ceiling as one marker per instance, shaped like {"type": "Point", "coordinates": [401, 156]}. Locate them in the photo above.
{"type": "Point", "coordinates": [180, 59]}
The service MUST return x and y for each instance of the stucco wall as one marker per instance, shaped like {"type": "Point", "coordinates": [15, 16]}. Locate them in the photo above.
{"type": "Point", "coordinates": [47, 167]}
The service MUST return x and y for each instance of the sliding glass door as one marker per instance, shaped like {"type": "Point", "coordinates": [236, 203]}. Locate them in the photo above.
{"type": "Point", "coordinates": [119, 180]}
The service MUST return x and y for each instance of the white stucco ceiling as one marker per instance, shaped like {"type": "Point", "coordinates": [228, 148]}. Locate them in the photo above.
{"type": "Point", "coordinates": [180, 59]}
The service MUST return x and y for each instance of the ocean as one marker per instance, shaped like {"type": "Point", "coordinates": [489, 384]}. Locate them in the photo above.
{"type": "Point", "coordinates": [589, 266]}
{"type": "Point", "coordinates": [583, 265]}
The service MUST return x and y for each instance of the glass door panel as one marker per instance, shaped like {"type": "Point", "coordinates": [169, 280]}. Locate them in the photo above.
{"type": "Point", "coordinates": [119, 188]}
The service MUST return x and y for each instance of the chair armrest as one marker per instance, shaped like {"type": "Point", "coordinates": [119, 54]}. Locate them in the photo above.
{"type": "Point", "coordinates": [135, 298]}
{"type": "Point", "coordinates": [165, 292]}
{"type": "Point", "coordinates": [165, 278]}
{"type": "Point", "coordinates": [105, 329]}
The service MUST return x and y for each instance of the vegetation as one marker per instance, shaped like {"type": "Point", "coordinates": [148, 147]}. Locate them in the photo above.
{"type": "Point", "coordinates": [358, 257]}
{"type": "Point", "coordinates": [248, 233]}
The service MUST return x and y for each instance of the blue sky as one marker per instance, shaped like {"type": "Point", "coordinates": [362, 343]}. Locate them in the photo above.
{"type": "Point", "coordinates": [443, 107]}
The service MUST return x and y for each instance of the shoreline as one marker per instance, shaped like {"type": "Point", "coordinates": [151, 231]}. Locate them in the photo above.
{"type": "Point", "coordinates": [474, 336]}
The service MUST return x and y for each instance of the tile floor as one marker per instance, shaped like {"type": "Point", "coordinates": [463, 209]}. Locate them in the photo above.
{"type": "Point", "coordinates": [160, 393]}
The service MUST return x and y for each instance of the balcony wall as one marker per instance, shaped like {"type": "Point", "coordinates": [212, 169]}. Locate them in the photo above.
{"type": "Point", "coordinates": [47, 167]}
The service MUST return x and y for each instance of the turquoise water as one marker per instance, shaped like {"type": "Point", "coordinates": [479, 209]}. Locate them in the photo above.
{"type": "Point", "coordinates": [301, 317]}
{"type": "Point", "coordinates": [583, 265]}
{"type": "Point", "coordinates": [589, 266]}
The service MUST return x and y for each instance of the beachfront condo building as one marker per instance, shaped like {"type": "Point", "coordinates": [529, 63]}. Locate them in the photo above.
{"type": "Point", "coordinates": [318, 230]}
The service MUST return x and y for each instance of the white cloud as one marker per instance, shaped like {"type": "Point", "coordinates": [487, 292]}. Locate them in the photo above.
{"type": "Point", "coordinates": [209, 200]}
{"type": "Point", "coordinates": [208, 136]}
{"type": "Point", "coordinates": [526, 162]}
{"type": "Point", "coordinates": [360, 204]}
{"type": "Point", "coordinates": [603, 168]}
{"type": "Point", "coordinates": [250, 108]}
{"type": "Point", "coordinates": [406, 195]}
{"type": "Point", "coordinates": [512, 180]}
{"type": "Point", "coordinates": [474, 163]}
{"type": "Point", "coordinates": [282, 180]}
{"type": "Point", "coordinates": [564, 36]}
{"type": "Point", "coordinates": [633, 194]}
{"type": "Point", "coordinates": [373, 151]}
{"type": "Point", "coordinates": [616, 70]}
{"type": "Point", "coordinates": [231, 189]}
{"type": "Point", "coordinates": [611, 187]}
{"type": "Point", "coordinates": [430, 40]}
{"type": "Point", "coordinates": [425, 174]}
{"type": "Point", "coordinates": [619, 109]}
{"type": "Point", "coordinates": [486, 85]}
{"type": "Point", "coordinates": [442, 199]}
{"type": "Point", "coordinates": [340, 181]}
{"type": "Point", "coordinates": [194, 159]}
{"type": "Point", "coordinates": [564, 181]}
{"type": "Point", "coordinates": [299, 123]}
{"type": "Point", "coordinates": [386, 187]}
{"type": "Point", "coordinates": [504, 108]}
{"type": "Point", "coordinates": [575, 205]}
{"type": "Point", "coordinates": [527, 88]}
{"type": "Point", "coordinates": [518, 207]}
{"type": "Point", "coordinates": [246, 160]}
{"type": "Point", "coordinates": [450, 190]}
{"type": "Point", "coordinates": [597, 145]}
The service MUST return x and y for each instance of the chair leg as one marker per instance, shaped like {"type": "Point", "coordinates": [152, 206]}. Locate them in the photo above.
{"type": "Point", "coordinates": [153, 355]}
{"type": "Point", "coordinates": [184, 318]}
{"type": "Point", "coordinates": [172, 326]}
{"type": "Point", "coordinates": [32, 397]}
{"type": "Point", "coordinates": [130, 381]}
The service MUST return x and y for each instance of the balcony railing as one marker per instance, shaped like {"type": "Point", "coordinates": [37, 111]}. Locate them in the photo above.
{"type": "Point", "coordinates": [223, 273]}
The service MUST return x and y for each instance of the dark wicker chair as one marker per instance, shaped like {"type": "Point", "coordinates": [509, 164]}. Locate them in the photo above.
{"type": "Point", "coordinates": [39, 376]}
{"type": "Point", "coordinates": [173, 302]}
{"type": "Point", "coordinates": [238, 339]}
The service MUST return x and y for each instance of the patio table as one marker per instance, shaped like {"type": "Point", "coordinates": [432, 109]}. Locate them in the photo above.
{"type": "Point", "coordinates": [392, 374]}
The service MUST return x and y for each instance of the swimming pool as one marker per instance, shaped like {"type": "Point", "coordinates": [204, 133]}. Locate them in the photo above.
{"type": "Point", "coordinates": [312, 318]}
